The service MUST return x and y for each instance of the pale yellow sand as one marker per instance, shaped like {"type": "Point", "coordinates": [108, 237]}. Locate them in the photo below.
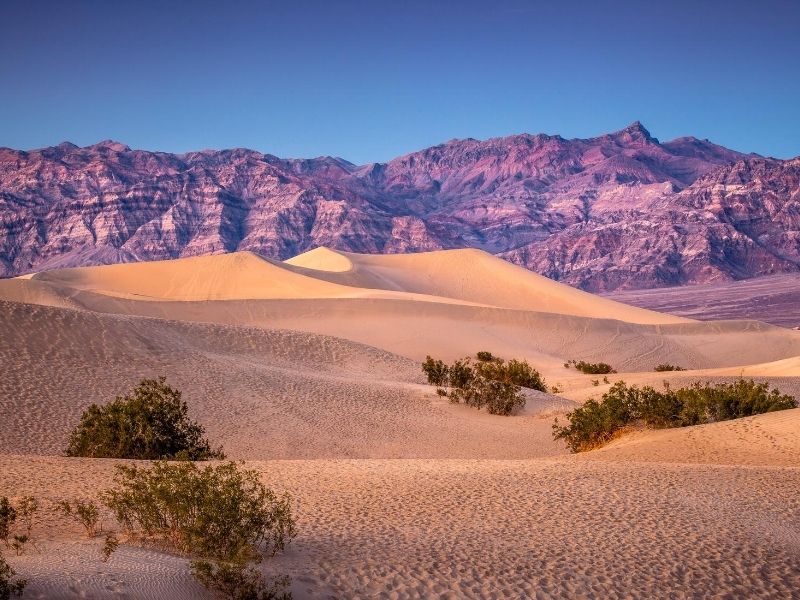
{"type": "Point", "coordinates": [769, 439]}
{"type": "Point", "coordinates": [401, 494]}
{"type": "Point", "coordinates": [563, 528]}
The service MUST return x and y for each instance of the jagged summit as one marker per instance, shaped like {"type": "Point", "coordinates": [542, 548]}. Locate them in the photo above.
{"type": "Point", "coordinates": [110, 145]}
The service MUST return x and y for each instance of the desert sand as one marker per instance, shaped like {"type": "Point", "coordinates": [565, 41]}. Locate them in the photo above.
{"type": "Point", "coordinates": [309, 371]}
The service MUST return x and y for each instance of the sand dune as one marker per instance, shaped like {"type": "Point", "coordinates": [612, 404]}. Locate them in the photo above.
{"type": "Point", "coordinates": [309, 370]}
{"type": "Point", "coordinates": [467, 275]}
{"type": "Point", "coordinates": [769, 439]}
{"type": "Point", "coordinates": [558, 528]}
{"type": "Point", "coordinates": [262, 393]}
{"type": "Point", "coordinates": [464, 276]}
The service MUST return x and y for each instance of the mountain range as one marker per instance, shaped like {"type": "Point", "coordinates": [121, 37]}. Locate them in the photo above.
{"type": "Point", "coordinates": [619, 211]}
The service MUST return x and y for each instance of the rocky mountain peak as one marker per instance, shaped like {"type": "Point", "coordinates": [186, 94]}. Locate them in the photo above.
{"type": "Point", "coordinates": [615, 211]}
{"type": "Point", "coordinates": [111, 145]}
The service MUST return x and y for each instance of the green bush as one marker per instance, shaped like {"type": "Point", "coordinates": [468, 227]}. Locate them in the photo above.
{"type": "Point", "coordinates": [497, 397]}
{"type": "Point", "coordinates": [461, 374]}
{"type": "Point", "coordinates": [8, 516]}
{"type": "Point", "coordinates": [490, 383]}
{"type": "Point", "coordinates": [85, 513]}
{"type": "Point", "coordinates": [152, 423]}
{"type": "Point", "coordinates": [595, 423]}
{"type": "Point", "coordinates": [10, 585]}
{"type": "Point", "coordinates": [707, 403]}
{"type": "Point", "coordinates": [668, 367]}
{"type": "Point", "coordinates": [600, 368]}
{"type": "Point", "coordinates": [514, 372]}
{"type": "Point", "coordinates": [221, 512]}
{"type": "Point", "coordinates": [23, 513]}
{"type": "Point", "coordinates": [436, 371]}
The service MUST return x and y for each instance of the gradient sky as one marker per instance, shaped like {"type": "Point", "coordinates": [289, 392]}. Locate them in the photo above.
{"type": "Point", "coordinates": [372, 80]}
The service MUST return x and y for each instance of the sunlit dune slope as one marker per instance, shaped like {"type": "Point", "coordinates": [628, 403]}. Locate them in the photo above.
{"type": "Point", "coordinates": [768, 439]}
{"type": "Point", "coordinates": [468, 275]}
{"type": "Point", "coordinates": [454, 276]}
{"type": "Point", "coordinates": [447, 303]}
{"type": "Point", "coordinates": [261, 393]}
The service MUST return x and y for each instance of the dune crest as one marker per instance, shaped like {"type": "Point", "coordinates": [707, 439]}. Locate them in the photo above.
{"type": "Point", "coordinates": [468, 275]}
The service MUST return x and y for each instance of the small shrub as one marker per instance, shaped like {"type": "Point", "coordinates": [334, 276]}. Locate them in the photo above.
{"type": "Point", "coordinates": [515, 372]}
{"type": "Point", "coordinates": [238, 581]}
{"type": "Point", "coordinates": [8, 516]}
{"type": "Point", "coordinates": [110, 546]}
{"type": "Point", "coordinates": [490, 383]}
{"type": "Point", "coordinates": [18, 543]}
{"type": "Point", "coordinates": [724, 401]}
{"type": "Point", "coordinates": [85, 513]}
{"type": "Point", "coordinates": [152, 423]}
{"type": "Point", "coordinates": [595, 382]}
{"type": "Point", "coordinates": [26, 511]}
{"type": "Point", "coordinates": [461, 374]}
{"type": "Point", "coordinates": [668, 367]}
{"type": "Point", "coordinates": [10, 585]}
{"type": "Point", "coordinates": [436, 371]}
{"type": "Point", "coordinates": [595, 423]}
{"type": "Point", "coordinates": [221, 512]}
{"type": "Point", "coordinates": [556, 389]}
{"type": "Point", "coordinates": [600, 368]}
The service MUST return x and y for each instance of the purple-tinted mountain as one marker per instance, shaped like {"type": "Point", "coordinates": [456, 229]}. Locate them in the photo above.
{"type": "Point", "coordinates": [617, 211]}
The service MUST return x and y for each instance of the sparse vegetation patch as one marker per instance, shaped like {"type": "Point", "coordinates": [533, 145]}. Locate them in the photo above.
{"type": "Point", "coordinates": [490, 383]}
{"type": "Point", "coordinates": [667, 367]}
{"type": "Point", "coordinates": [223, 516]}
{"type": "Point", "coordinates": [595, 423]}
{"type": "Point", "coordinates": [151, 423]}
{"type": "Point", "coordinates": [600, 368]}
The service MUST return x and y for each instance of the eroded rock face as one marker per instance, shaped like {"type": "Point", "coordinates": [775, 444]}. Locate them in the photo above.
{"type": "Point", "coordinates": [617, 211]}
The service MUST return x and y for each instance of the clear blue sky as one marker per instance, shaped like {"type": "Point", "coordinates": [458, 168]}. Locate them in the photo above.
{"type": "Point", "coordinates": [372, 80]}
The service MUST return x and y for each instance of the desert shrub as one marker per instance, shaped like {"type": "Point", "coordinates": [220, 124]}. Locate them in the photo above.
{"type": "Point", "coordinates": [151, 423]}
{"type": "Point", "coordinates": [18, 543]}
{"type": "Point", "coordinates": [724, 401]}
{"type": "Point", "coordinates": [600, 368]}
{"type": "Point", "coordinates": [110, 545]}
{"type": "Point", "coordinates": [435, 370]}
{"type": "Point", "coordinates": [485, 356]}
{"type": "Point", "coordinates": [11, 517]}
{"type": "Point", "coordinates": [668, 367]}
{"type": "Point", "coordinates": [514, 372]}
{"type": "Point", "coordinates": [221, 512]}
{"type": "Point", "coordinates": [238, 581]}
{"type": "Point", "coordinates": [26, 512]}
{"type": "Point", "coordinates": [10, 584]}
{"type": "Point", "coordinates": [8, 516]}
{"type": "Point", "coordinates": [595, 423]}
{"type": "Point", "coordinates": [85, 513]}
{"type": "Point", "coordinates": [490, 383]}
{"type": "Point", "coordinates": [223, 516]}
{"type": "Point", "coordinates": [497, 397]}
{"type": "Point", "coordinates": [461, 374]}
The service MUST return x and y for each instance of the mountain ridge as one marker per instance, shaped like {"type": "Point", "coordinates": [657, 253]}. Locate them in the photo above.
{"type": "Point", "coordinates": [616, 211]}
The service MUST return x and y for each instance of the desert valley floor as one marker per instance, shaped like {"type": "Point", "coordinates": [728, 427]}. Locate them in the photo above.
{"type": "Point", "coordinates": [308, 370]}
